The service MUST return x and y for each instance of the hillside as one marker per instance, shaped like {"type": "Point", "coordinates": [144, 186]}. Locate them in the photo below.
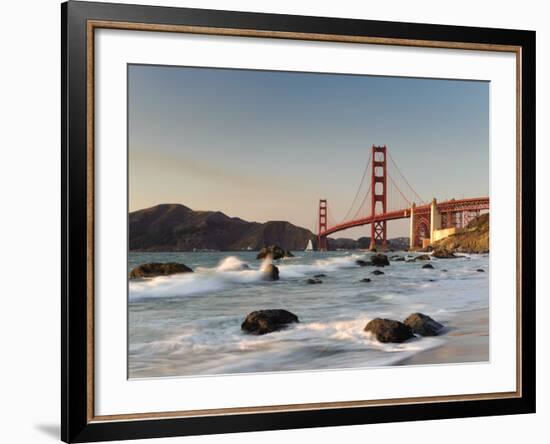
{"type": "Point", "coordinates": [175, 227]}
{"type": "Point", "coordinates": [472, 239]}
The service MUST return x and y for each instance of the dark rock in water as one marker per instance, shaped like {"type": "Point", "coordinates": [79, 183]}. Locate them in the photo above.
{"type": "Point", "coordinates": [430, 266]}
{"type": "Point", "coordinates": [423, 325]}
{"type": "Point", "coordinates": [431, 280]}
{"type": "Point", "coordinates": [153, 269]}
{"type": "Point", "coordinates": [480, 270]}
{"type": "Point", "coordinates": [399, 259]}
{"type": "Point", "coordinates": [266, 321]}
{"type": "Point", "coordinates": [365, 280]}
{"type": "Point", "coordinates": [273, 251]}
{"type": "Point", "coordinates": [423, 257]}
{"type": "Point", "coordinates": [314, 281]}
{"type": "Point", "coordinates": [388, 330]}
{"type": "Point", "coordinates": [321, 275]}
{"type": "Point", "coordinates": [379, 260]}
{"type": "Point", "coordinates": [442, 253]}
{"type": "Point", "coordinates": [377, 272]}
{"type": "Point", "coordinates": [271, 272]}
{"type": "Point", "coordinates": [363, 263]}
{"type": "Point", "coordinates": [444, 271]}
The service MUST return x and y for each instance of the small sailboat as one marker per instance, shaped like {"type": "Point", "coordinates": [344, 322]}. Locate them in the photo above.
{"type": "Point", "coordinates": [309, 246]}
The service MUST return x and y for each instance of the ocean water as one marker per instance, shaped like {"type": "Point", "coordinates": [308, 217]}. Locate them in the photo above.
{"type": "Point", "coordinates": [189, 324]}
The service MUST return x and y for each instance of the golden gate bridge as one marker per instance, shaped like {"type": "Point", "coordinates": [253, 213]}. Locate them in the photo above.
{"type": "Point", "coordinates": [385, 201]}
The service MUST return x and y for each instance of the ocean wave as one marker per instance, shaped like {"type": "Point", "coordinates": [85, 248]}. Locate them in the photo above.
{"type": "Point", "coordinates": [230, 271]}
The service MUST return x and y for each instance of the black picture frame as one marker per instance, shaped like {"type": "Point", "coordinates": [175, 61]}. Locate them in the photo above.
{"type": "Point", "coordinates": [76, 423]}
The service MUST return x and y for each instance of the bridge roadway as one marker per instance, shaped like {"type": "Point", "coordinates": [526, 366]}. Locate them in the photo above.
{"type": "Point", "coordinates": [448, 206]}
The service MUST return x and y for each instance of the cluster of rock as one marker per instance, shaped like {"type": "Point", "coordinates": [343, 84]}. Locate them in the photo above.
{"type": "Point", "coordinates": [389, 330]}
{"type": "Point", "coordinates": [261, 322]}
{"type": "Point", "coordinates": [443, 253]}
{"type": "Point", "coordinates": [274, 252]}
{"type": "Point", "coordinates": [376, 260]}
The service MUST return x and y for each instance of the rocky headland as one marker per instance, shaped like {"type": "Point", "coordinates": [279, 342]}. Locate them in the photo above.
{"type": "Point", "coordinates": [474, 238]}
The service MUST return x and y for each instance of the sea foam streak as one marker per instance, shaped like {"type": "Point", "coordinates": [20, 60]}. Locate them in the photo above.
{"type": "Point", "coordinates": [345, 335]}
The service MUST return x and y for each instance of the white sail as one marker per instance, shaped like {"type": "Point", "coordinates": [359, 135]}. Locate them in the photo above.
{"type": "Point", "coordinates": [309, 246]}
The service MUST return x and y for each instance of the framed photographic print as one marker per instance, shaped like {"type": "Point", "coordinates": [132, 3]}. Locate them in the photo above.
{"type": "Point", "coordinates": [275, 221]}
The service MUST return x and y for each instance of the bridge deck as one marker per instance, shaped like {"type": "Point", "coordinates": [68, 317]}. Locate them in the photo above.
{"type": "Point", "coordinates": [470, 204]}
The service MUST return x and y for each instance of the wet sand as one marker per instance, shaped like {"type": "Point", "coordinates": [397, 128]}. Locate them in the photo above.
{"type": "Point", "coordinates": [466, 340]}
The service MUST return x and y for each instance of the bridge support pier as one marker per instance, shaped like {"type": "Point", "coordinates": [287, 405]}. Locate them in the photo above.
{"type": "Point", "coordinates": [412, 240]}
{"type": "Point", "coordinates": [435, 219]}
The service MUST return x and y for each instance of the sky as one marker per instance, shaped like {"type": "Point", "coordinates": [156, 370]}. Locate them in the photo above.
{"type": "Point", "coordinates": [267, 145]}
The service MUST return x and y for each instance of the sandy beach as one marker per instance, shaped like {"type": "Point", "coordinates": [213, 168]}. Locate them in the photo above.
{"type": "Point", "coordinates": [467, 340]}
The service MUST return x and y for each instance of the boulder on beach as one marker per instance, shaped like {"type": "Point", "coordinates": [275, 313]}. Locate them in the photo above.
{"type": "Point", "coordinates": [274, 252]}
{"type": "Point", "coordinates": [153, 269]}
{"type": "Point", "coordinates": [423, 257]}
{"type": "Point", "coordinates": [423, 325]}
{"type": "Point", "coordinates": [388, 330]}
{"type": "Point", "coordinates": [428, 266]}
{"type": "Point", "coordinates": [363, 263]}
{"type": "Point", "coordinates": [270, 272]}
{"type": "Point", "coordinates": [314, 281]}
{"type": "Point", "coordinates": [377, 272]}
{"type": "Point", "coordinates": [442, 253]}
{"type": "Point", "coordinates": [379, 260]}
{"type": "Point", "coordinates": [266, 321]}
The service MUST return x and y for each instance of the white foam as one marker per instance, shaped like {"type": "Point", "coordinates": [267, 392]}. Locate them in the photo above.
{"type": "Point", "coordinates": [229, 272]}
{"type": "Point", "coordinates": [318, 266]}
{"type": "Point", "coordinates": [231, 263]}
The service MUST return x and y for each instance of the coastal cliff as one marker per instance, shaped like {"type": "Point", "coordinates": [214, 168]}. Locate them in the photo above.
{"type": "Point", "coordinates": [474, 238]}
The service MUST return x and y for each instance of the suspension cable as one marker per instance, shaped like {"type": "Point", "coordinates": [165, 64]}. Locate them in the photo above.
{"type": "Point", "coordinates": [405, 179]}
{"type": "Point", "coordinates": [362, 203]}
{"type": "Point", "coordinates": [400, 192]}
{"type": "Point", "coordinates": [358, 189]}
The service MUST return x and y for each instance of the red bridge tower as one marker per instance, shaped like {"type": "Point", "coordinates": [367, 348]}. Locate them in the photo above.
{"type": "Point", "coordinates": [322, 240]}
{"type": "Point", "coordinates": [379, 195]}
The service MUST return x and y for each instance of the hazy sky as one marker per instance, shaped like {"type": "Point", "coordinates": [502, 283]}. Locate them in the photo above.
{"type": "Point", "coordinates": [266, 145]}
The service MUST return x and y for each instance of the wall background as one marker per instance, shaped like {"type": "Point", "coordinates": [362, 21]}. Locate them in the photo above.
{"type": "Point", "coordinates": [30, 217]}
